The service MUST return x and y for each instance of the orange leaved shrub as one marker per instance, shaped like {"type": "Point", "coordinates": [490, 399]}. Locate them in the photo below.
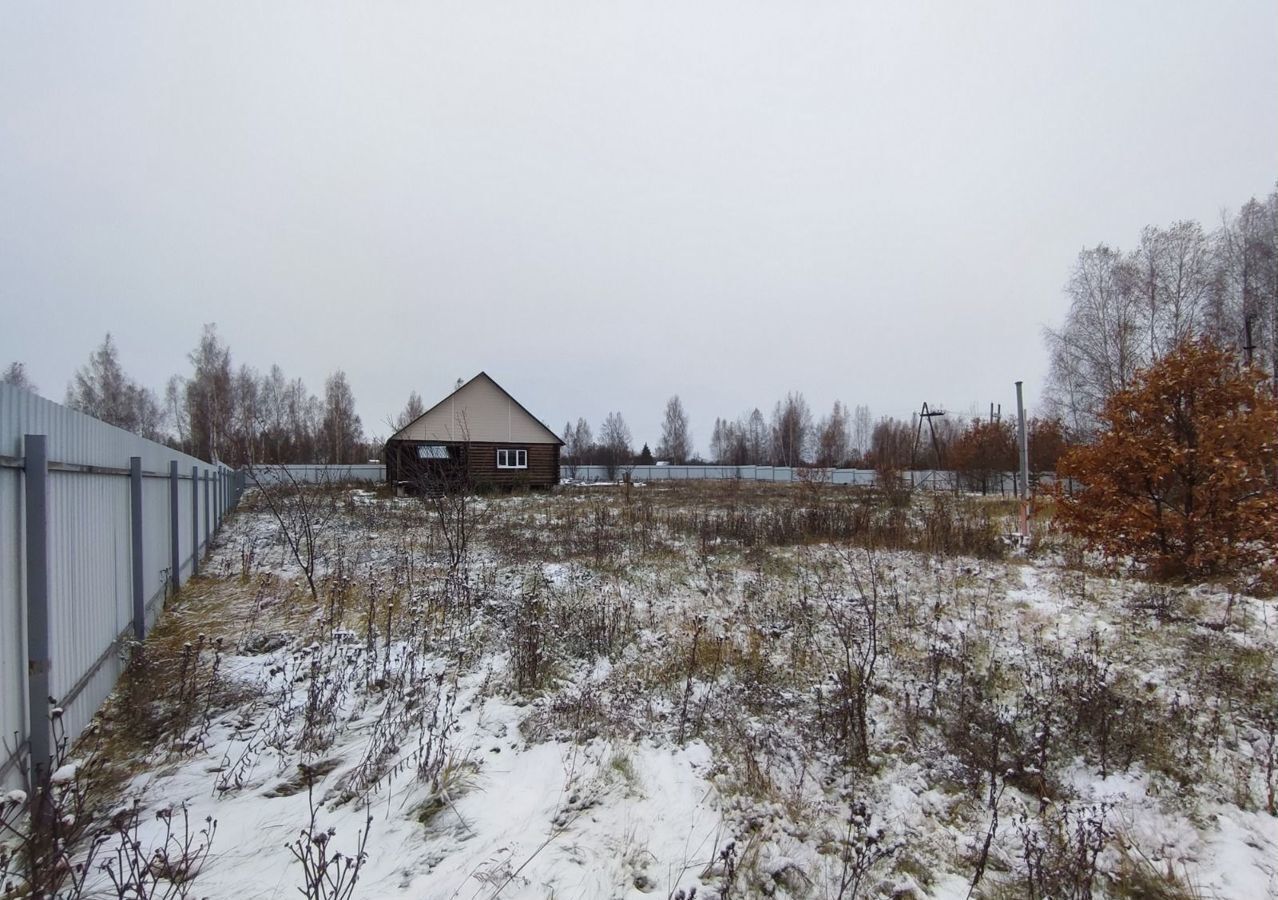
{"type": "Point", "coordinates": [1183, 477]}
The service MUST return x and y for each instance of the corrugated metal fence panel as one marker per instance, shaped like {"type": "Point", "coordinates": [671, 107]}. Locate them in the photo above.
{"type": "Point", "coordinates": [315, 474]}
{"type": "Point", "coordinates": [13, 623]}
{"type": "Point", "coordinates": [90, 563]}
{"type": "Point", "coordinates": [89, 587]}
{"type": "Point", "coordinates": [185, 537]}
{"type": "Point", "coordinates": [80, 439]}
{"type": "Point", "coordinates": [155, 544]}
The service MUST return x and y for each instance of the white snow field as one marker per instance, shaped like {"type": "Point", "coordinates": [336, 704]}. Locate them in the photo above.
{"type": "Point", "coordinates": [742, 691]}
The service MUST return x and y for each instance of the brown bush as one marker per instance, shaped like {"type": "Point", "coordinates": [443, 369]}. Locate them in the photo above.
{"type": "Point", "coordinates": [1182, 476]}
{"type": "Point", "coordinates": [983, 452]}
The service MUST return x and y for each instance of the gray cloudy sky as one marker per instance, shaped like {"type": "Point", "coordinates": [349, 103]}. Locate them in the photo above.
{"type": "Point", "coordinates": [603, 203]}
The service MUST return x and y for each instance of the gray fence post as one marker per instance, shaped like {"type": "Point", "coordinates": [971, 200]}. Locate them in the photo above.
{"type": "Point", "coordinates": [36, 471]}
{"type": "Point", "coordinates": [135, 521]}
{"type": "Point", "coordinates": [175, 552]}
{"type": "Point", "coordinates": [208, 511]}
{"type": "Point", "coordinates": [195, 520]}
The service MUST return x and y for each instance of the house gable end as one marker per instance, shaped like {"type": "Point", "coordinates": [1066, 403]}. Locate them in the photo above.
{"type": "Point", "coordinates": [478, 411]}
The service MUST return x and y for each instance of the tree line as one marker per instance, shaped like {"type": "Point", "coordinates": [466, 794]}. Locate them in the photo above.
{"type": "Point", "coordinates": [1130, 308]}
{"type": "Point", "coordinates": [218, 411]}
{"type": "Point", "coordinates": [239, 416]}
{"type": "Point", "coordinates": [792, 436]}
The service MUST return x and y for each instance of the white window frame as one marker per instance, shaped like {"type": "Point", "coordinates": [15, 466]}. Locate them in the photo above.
{"type": "Point", "coordinates": [511, 458]}
{"type": "Point", "coordinates": [433, 451]}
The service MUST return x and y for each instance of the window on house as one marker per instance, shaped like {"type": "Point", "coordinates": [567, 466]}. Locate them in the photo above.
{"type": "Point", "coordinates": [432, 451]}
{"type": "Point", "coordinates": [512, 459]}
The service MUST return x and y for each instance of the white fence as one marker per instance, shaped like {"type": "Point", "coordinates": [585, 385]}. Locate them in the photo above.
{"type": "Point", "coordinates": [316, 474]}
{"type": "Point", "coordinates": [97, 526]}
{"type": "Point", "coordinates": [940, 480]}
{"type": "Point", "coordinates": [1003, 483]}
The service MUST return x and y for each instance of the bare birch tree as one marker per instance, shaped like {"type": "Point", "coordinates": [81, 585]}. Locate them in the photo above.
{"type": "Point", "coordinates": [1128, 311]}
{"type": "Point", "coordinates": [791, 430]}
{"type": "Point", "coordinates": [343, 431]}
{"type": "Point", "coordinates": [676, 438]}
{"type": "Point", "coordinates": [615, 443]}
{"type": "Point", "coordinates": [1097, 351]}
{"type": "Point", "coordinates": [862, 430]}
{"type": "Point", "coordinates": [583, 443]}
{"type": "Point", "coordinates": [411, 412]}
{"type": "Point", "coordinates": [209, 401]}
{"type": "Point", "coordinates": [103, 390]}
{"type": "Point", "coordinates": [16, 375]}
{"type": "Point", "coordinates": [834, 438]}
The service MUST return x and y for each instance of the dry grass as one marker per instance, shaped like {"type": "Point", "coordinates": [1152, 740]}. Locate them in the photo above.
{"type": "Point", "coordinates": [170, 679]}
{"type": "Point", "coordinates": [717, 608]}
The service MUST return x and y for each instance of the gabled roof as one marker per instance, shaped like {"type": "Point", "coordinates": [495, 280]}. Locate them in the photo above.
{"type": "Point", "coordinates": [484, 403]}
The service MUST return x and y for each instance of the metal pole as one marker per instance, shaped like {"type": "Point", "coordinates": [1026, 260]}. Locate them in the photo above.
{"type": "Point", "coordinates": [175, 559]}
{"type": "Point", "coordinates": [1021, 434]}
{"type": "Point", "coordinates": [208, 511]}
{"type": "Point", "coordinates": [135, 520]}
{"type": "Point", "coordinates": [36, 470]}
{"type": "Point", "coordinates": [195, 521]}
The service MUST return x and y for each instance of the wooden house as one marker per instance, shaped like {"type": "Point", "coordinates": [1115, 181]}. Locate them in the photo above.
{"type": "Point", "coordinates": [477, 437]}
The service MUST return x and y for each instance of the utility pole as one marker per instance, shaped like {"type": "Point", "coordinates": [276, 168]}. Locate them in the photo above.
{"type": "Point", "coordinates": [928, 414]}
{"type": "Point", "coordinates": [1024, 442]}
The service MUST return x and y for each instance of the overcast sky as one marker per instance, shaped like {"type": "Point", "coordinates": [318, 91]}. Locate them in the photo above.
{"type": "Point", "coordinates": [604, 203]}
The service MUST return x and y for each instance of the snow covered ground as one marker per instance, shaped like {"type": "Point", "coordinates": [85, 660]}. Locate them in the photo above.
{"type": "Point", "coordinates": [609, 695]}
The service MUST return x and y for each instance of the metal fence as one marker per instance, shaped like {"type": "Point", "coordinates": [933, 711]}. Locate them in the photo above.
{"type": "Point", "coordinates": [931, 479]}
{"type": "Point", "coordinates": [316, 474]}
{"type": "Point", "coordinates": [97, 527]}
{"type": "Point", "coordinates": [1002, 483]}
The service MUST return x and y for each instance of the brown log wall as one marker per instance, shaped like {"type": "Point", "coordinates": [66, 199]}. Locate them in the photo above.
{"type": "Point", "coordinates": [542, 471]}
{"type": "Point", "coordinates": [481, 460]}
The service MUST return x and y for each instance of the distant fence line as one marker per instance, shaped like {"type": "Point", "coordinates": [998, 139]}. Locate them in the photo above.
{"type": "Point", "coordinates": [315, 474]}
{"type": "Point", "coordinates": [1003, 483]}
{"type": "Point", "coordinates": [97, 527]}
{"type": "Point", "coordinates": [922, 479]}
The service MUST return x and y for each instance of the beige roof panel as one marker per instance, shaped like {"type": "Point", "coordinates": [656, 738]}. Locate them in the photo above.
{"type": "Point", "coordinates": [479, 410]}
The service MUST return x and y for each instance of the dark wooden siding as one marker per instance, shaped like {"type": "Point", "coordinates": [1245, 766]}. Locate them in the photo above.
{"type": "Point", "coordinates": [542, 471]}
{"type": "Point", "coordinates": [481, 464]}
